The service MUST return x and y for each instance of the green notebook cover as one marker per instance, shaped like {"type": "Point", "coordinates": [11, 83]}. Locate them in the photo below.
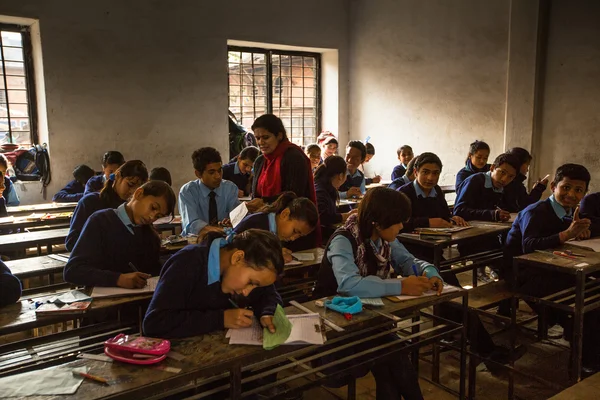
{"type": "Point", "coordinates": [283, 329]}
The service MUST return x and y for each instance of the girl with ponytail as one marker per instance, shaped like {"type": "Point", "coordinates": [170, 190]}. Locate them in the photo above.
{"type": "Point", "coordinates": [118, 188]}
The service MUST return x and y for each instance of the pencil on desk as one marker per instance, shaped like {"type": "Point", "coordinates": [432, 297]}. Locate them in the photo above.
{"type": "Point", "coordinates": [91, 377]}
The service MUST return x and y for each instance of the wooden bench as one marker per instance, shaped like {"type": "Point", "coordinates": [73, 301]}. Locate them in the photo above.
{"type": "Point", "coordinates": [22, 241]}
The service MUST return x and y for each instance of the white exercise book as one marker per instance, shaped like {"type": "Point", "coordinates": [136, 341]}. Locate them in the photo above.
{"type": "Point", "coordinates": [100, 291]}
{"type": "Point", "coordinates": [238, 214]}
{"type": "Point", "coordinates": [447, 289]}
{"type": "Point", "coordinates": [306, 329]}
{"type": "Point", "coordinates": [593, 244]}
{"type": "Point", "coordinates": [304, 256]}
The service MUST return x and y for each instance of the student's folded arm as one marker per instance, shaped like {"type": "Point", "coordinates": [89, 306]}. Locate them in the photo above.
{"type": "Point", "coordinates": [534, 238]}
{"type": "Point", "coordinates": [348, 278]}
{"type": "Point", "coordinates": [191, 221]}
{"type": "Point", "coordinates": [65, 197]}
{"type": "Point", "coordinates": [170, 315]}
{"type": "Point", "coordinates": [264, 300]}
{"type": "Point", "coordinates": [87, 260]}
{"type": "Point", "coordinates": [536, 194]}
{"type": "Point", "coordinates": [403, 260]}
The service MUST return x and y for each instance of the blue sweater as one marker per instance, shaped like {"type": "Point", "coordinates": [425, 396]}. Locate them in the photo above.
{"type": "Point", "coordinates": [590, 208]}
{"type": "Point", "coordinates": [467, 171]}
{"type": "Point", "coordinates": [537, 227]}
{"type": "Point", "coordinates": [184, 304]}
{"type": "Point", "coordinates": [424, 208]}
{"type": "Point", "coordinates": [3, 212]}
{"type": "Point", "coordinates": [10, 193]}
{"type": "Point", "coordinates": [326, 204]}
{"type": "Point", "coordinates": [241, 180]}
{"type": "Point", "coordinates": [10, 286]}
{"type": "Point", "coordinates": [474, 201]}
{"type": "Point", "coordinates": [356, 181]}
{"type": "Point", "coordinates": [71, 193]}
{"type": "Point", "coordinates": [516, 197]}
{"type": "Point", "coordinates": [398, 183]}
{"type": "Point", "coordinates": [105, 249]}
{"type": "Point", "coordinates": [94, 184]}
{"type": "Point", "coordinates": [398, 172]}
{"type": "Point", "coordinates": [88, 205]}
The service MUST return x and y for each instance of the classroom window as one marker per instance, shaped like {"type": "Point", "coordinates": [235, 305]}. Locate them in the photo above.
{"type": "Point", "coordinates": [284, 83]}
{"type": "Point", "coordinates": [17, 97]}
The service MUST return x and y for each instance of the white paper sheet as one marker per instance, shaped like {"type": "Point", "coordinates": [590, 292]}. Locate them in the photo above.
{"type": "Point", "coordinates": [7, 220]}
{"type": "Point", "coordinates": [447, 289]}
{"type": "Point", "coordinates": [72, 297]}
{"type": "Point", "coordinates": [117, 291]}
{"type": "Point", "coordinates": [45, 382]}
{"type": "Point", "coordinates": [305, 330]}
{"type": "Point", "coordinates": [245, 198]}
{"type": "Point", "coordinates": [372, 301]}
{"type": "Point", "coordinates": [292, 263]}
{"type": "Point", "coordinates": [593, 244]}
{"type": "Point", "coordinates": [237, 214]}
{"type": "Point", "coordinates": [304, 256]}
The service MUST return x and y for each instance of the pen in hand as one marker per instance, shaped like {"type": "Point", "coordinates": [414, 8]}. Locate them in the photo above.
{"type": "Point", "coordinates": [136, 270]}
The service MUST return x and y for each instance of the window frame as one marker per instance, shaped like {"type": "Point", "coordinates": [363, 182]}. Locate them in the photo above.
{"type": "Point", "coordinates": [269, 53]}
{"type": "Point", "coordinates": [25, 32]}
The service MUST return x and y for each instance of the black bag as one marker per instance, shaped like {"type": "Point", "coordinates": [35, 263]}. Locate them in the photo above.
{"type": "Point", "coordinates": [34, 165]}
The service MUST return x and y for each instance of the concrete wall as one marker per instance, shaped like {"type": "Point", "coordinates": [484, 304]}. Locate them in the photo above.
{"type": "Point", "coordinates": [431, 74]}
{"type": "Point", "coordinates": [149, 78]}
{"type": "Point", "coordinates": [570, 128]}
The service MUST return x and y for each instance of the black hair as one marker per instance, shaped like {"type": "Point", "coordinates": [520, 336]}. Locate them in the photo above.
{"type": "Point", "coordinates": [161, 174]}
{"type": "Point", "coordinates": [312, 146]}
{"type": "Point", "coordinates": [249, 153]}
{"type": "Point", "coordinates": [271, 123]}
{"type": "Point", "coordinates": [262, 249]}
{"type": "Point", "coordinates": [370, 149]}
{"type": "Point", "coordinates": [572, 171]}
{"type": "Point", "coordinates": [381, 208]}
{"type": "Point", "coordinates": [3, 161]}
{"type": "Point", "coordinates": [357, 144]}
{"type": "Point", "coordinates": [410, 167]}
{"type": "Point", "coordinates": [159, 188]}
{"type": "Point", "coordinates": [301, 208]}
{"type": "Point", "coordinates": [510, 159]}
{"type": "Point", "coordinates": [427, 158]}
{"type": "Point", "coordinates": [131, 169]}
{"type": "Point", "coordinates": [113, 157]}
{"type": "Point", "coordinates": [522, 154]}
{"type": "Point", "coordinates": [405, 147]}
{"type": "Point", "coordinates": [476, 146]}
{"type": "Point", "coordinates": [82, 173]}
{"type": "Point", "coordinates": [331, 167]}
{"type": "Point", "coordinates": [204, 156]}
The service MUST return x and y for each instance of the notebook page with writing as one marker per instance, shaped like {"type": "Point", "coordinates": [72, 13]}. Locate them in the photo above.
{"type": "Point", "coordinates": [252, 335]}
{"type": "Point", "coordinates": [593, 244]}
{"type": "Point", "coordinates": [306, 329]}
{"type": "Point", "coordinates": [237, 214]}
{"type": "Point", "coordinates": [100, 291]}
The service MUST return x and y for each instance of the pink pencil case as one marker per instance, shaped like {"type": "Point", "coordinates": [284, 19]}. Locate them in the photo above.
{"type": "Point", "coordinates": [138, 344]}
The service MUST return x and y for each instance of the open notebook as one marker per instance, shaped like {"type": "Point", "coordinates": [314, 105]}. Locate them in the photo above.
{"type": "Point", "coordinates": [306, 329]}
{"type": "Point", "coordinates": [100, 291]}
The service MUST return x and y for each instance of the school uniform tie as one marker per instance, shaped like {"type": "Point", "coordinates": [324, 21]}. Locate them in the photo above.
{"type": "Point", "coordinates": [213, 218]}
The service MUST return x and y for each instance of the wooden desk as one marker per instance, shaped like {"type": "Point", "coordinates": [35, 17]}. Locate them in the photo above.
{"type": "Point", "coordinates": [448, 189]}
{"type": "Point", "coordinates": [41, 208]}
{"type": "Point", "coordinates": [586, 389]}
{"type": "Point", "coordinates": [299, 280]}
{"type": "Point", "coordinates": [35, 266]}
{"type": "Point", "coordinates": [479, 229]}
{"type": "Point", "coordinates": [21, 241]}
{"type": "Point", "coordinates": [24, 222]}
{"type": "Point", "coordinates": [578, 300]}
{"type": "Point", "coordinates": [210, 355]}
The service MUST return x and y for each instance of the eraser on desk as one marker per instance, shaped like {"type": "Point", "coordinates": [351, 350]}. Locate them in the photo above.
{"type": "Point", "coordinates": [319, 303]}
{"type": "Point", "coordinates": [582, 265]}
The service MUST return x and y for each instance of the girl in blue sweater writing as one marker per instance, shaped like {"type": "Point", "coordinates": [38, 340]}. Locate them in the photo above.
{"type": "Point", "coordinates": [204, 288]}
{"type": "Point", "coordinates": [119, 247]}
{"type": "Point", "coordinates": [118, 189]}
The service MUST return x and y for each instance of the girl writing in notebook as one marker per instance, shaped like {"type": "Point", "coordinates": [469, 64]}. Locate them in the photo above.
{"type": "Point", "coordinates": [119, 247]}
{"type": "Point", "coordinates": [289, 217]}
{"type": "Point", "coordinates": [118, 188]}
{"type": "Point", "coordinates": [204, 288]}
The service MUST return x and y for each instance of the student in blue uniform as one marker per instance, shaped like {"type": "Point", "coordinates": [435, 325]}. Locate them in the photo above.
{"type": "Point", "coordinates": [73, 192]}
{"type": "Point", "coordinates": [409, 175]}
{"type": "Point", "coordinates": [355, 185]}
{"type": "Point", "coordinates": [429, 207]}
{"type": "Point", "coordinates": [240, 170]}
{"type": "Point", "coordinates": [209, 199]}
{"type": "Point", "coordinates": [119, 247]}
{"type": "Point", "coordinates": [405, 154]}
{"type": "Point", "coordinates": [328, 178]}
{"type": "Point", "coordinates": [3, 211]}
{"type": "Point", "coordinates": [313, 152]}
{"type": "Point", "coordinates": [160, 174]}
{"type": "Point", "coordinates": [289, 217]}
{"type": "Point", "coordinates": [10, 286]}
{"type": "Point", "coordinates": [205, 288]}
{"type": "Point", "coordinates": [479, 152]}
{"type": "Point", "coordinates": [590, 209]}
{"type": "Point", "coordinates": [481, 196]}
{"type": "Point", "coordinates": [119, 187]}
{"type": "Point", "coordinates": [516, 197]}
{"type": "Point", "coordinates": [546, 225]}
{"type": "Point", "coordinates": [10, 193]}
{"type": "Point", "coordinates": [111, 161]}
{"type": "Point", "coordinates": [359, 260]}
{"type": "Point", "coordinates": [370, 176]}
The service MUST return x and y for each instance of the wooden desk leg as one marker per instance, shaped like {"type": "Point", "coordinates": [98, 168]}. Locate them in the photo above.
{"type": "Point", "coordinates": [415, 353]}
{"type": "Point", "coordinates": [352, 390]}
{"type": "Point", "coordinates": [577, 342]}
{"type": "Point", "coordinates": [437, 256]}
{"type": "Point", "coordinates": [463, 349]}
{"type": "Point", "coordinates": [235, 382]}
{"type": "Point", "coordinates": [514, 305]}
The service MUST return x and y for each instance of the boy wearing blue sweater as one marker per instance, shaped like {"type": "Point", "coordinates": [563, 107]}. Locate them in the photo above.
{"type": "Point", "coordinates": [405, 154]}
{"type": "Point", "coordinates": [355, 185]}
{"type": "Point", "coordinates": [546, 225]}
{"type": "Point", "coordinates": [111, 161]}
{"type": "Point", "coordinates": [480, 196]}
{"type": "Point", "coordinates": [590, 209]}
{"type": "Point", "coordinates": [73, 192]}
{"type": "Point", "coordinates": [209, 199]}
{"type": "Point", "coordinates": [239, 171]}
